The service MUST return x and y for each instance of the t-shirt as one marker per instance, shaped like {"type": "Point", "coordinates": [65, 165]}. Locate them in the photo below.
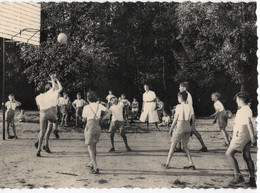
{"type": "Point", "coordinates": [117, 112]}
{"type": "Point", "coordinates": [79, 103]}
{"type": "Point", "coordinates": [90, 110]}
{"type": "Point", "coordinates": [242, 115]}
{"type": "Point", "coordinates": [166, 119]}
{"type": "Point", "coordinates": [219, 106]}
{"type": "Point", "coordinates": [190, 102]}
{"type": "Point", "coordinates": [11, 105]}
{"type": "Point", "coordinates": [187, 112]}
{"type": "Point", "coordinates": [48, 99]}
{"type": "Point", "coordinates": [149, 96]}
{"type": "Point", "coordinates": [63, 101]}
{"type": "Point", "coordinates": [135, 104]}
{"type": "Point", "coordinates": [124, 102]}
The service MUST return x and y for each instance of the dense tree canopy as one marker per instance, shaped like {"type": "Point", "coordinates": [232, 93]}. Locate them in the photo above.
{"type": "Point", "coordinates": [121, 46]}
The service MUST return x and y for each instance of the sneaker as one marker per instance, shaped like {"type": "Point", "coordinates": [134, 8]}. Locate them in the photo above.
{"type": "Point", "coordinates": [204, 149]}
{"type": "Point", "coordinates": [95, 171]}
{"type": "Point", "coordinates": [111, 150]}
{"type": "Point", "coordinates": [128, 149]}
{"type": "Point", "coordinates": [47, 149]}
{"type": "Point", "coordinates": [238, 179]}
{"type": "Point", "coordinates": [36, 144]}
{"type": "Point", "coordinates": [56, 134]}
{"type": "Point", "coordinates": [251, 183]}
{"type": "Point", "coordinates": [10, 137]}
{"type": "Point", "coordinates": [38, 154]}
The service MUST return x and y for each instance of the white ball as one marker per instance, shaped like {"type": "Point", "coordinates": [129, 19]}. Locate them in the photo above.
{"type": "Point", "coordinates": [62, 38]}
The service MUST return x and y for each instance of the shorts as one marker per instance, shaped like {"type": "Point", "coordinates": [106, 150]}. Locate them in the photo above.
{"type": "Point", "coordinates": [63, 110]}
{"type": "Point", "coordinates": [92, 131]}
{"type": "Point", "coordinates": [222, 120]}
{"type": "Point", "coordinates": [49, 114]}
{"type": "Point", "coordinates": [9, 115]}
{"type": "Point", "coordinates": [116, 125]}
{"type": "Point", "coordinates": [181, 133]}
{"type": "Point", "coordinates": [241, 137]}
{"type": "Point", "coordinates": [79, 111]}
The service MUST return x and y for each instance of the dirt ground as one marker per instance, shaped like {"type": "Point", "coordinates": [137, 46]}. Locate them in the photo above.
{"type": "Point", "coordinates": [66, 166]}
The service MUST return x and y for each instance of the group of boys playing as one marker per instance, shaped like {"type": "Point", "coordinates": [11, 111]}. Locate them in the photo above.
{"type": "Point", "coordinates": [93, 111]}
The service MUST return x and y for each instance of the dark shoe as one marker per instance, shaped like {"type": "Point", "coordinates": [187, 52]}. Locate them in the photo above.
{"type": "Point", "coordinates": [238, 179]}
{"type": "Point", "coordinates": [47, 149]}
{"type": "Point", "coordinates": [38, 154]}
{"type": "Point", "coordinates": [56, 134]}
{"type": "Point", "coordinates": [95, 171]}
{"type": "Point", "coordinates": [10, 137]}
{"type": "Point", "coordinates": [36, 144]}
{"type": "Point", "coordinates": [204, 149]}
{"type": "Point", "coordinates": [166, 166]}
{"type": "Point", "coordinates": [111, 150]}
{"type": "Point", "coordinates": [128, 149]}
{"type": "Point", "coordinates": [251, 183]}
{"type": "Point", "coordinates": [189, 168]}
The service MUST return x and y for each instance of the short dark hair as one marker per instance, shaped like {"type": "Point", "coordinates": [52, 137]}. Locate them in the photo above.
{"type": "Point", "coordinates": [79, 93]}
{"type": "Point", "coordinates": [183, 95]}
{"type": "Point", "coordinates": [185, 84]}
{"type": "Point", "coordinates": [12, 95]}
{"type": "Point", "coordinates": [123, 94]}
{"type": "Point", "coordinates": [110, 91]}
{"type": "Point", "coordinates": [92, 97]}
{"type": "Point", "coordinates": [146, 84]}
{"type": "Point", "coordinates": [217, 94]}
{"type": "Point", "coordinates": [244, 96]}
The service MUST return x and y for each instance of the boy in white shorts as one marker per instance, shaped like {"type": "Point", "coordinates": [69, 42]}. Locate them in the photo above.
{"type": "Point", "coordinates": [117, 123]}
{"type": "Point", "coordinates": [243, 136]}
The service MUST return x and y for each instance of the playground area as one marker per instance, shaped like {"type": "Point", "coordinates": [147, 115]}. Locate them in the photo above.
{"type": "Point", "coordinates": [141, 168]}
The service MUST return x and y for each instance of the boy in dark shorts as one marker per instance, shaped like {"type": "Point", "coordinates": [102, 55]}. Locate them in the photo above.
{"type": "Point", "coordinates": [117, 123]}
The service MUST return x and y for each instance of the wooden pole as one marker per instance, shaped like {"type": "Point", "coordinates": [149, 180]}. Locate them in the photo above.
{"type": "Point", "coordinates": [3, 91]}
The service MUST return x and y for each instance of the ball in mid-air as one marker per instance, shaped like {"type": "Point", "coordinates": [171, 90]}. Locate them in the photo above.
{"type": "Point", "coordinates": [62, 38]}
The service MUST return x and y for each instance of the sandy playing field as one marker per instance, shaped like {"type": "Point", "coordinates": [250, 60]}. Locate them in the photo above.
{"type": "Point", "coordinates": [66, 166]}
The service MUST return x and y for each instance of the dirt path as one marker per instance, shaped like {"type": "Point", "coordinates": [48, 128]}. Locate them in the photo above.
{"type": "Point", "coordinates": [66, 166]}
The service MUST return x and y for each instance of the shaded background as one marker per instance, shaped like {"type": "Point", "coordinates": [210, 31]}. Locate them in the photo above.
{"type": "Point", "coordinates": [121, 46]}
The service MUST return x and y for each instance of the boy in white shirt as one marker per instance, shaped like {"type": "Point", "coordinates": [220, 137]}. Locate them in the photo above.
{"type": "Point", "coordinates": [78, 105]}
{"type": "Point", "coordinates": [63, 102]}
{"type": "Point", "coordinates": [126, 104]}
{"type": "Point", "coordinates": [92, 114]}
{"type": "Point", "coordinates": [47, 104]}
{"type": "Point", "coordinates": [220, 116]}
{"type": "Point", "coordinates": [108, 98]}
{"type": "Point", "coordinates": [117, 123]}
{"type": "Point", "coordinates": [243, 136]}
{"type": "Point", "coordinates": [11, 106]}
{"type": "Point", "coordinates": [135, 109]}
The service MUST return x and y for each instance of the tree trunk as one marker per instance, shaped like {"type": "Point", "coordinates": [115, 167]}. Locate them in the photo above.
{"type": "Point", "coordinates": [164, 82]}
{"type": "Point", "coordinates": [242, 83]}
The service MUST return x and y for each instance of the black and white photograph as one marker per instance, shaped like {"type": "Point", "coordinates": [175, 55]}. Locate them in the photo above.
{"type": "Point", "coordinates": [128, 95]}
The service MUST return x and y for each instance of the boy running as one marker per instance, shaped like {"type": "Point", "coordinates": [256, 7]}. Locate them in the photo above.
{"type": "Point", "coordinates": [243, 136]}
{"type": "Point", "coordinates": [117, 123]}
{"type": "Point", "coordinates": [11, 106]}
{"type": "Point", "coordinates": [220, 116]}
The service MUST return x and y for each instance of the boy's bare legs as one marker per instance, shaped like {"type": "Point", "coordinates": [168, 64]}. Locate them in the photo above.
{"type": "Point", "coordinates": [43, 127]}
{"type": "Point", "coordinates": [14, 130]}
{"type": "Point", "coordinates": [204, 147]}
{"type": "Point", "coordinates": [187, 151]}
{"type": "Point", "coordinates": [156, 125]}
{"type": "Point", "coordinates": [250, 164]}
{"type": "Point", "coordinates": [170, 154]}
{"type": "Point", "coordinates": [225, 134]}
{"type": "Point", "coordinates": [8, 131]}
{"type": "Point", "coordinates": [47, 137]}
{"type": "Point", "coordinates": [125, 141]}
{"type": "Point", "coordinates": [112, 135]}
{"type": "Point", "coordinates": [66, 120]}
{"type": "Point", "coordinates": [92, 154]}
{"type": "Point", "coordinates": [147, 126]}
{"type": "Point", "coordinates": [230, 154]}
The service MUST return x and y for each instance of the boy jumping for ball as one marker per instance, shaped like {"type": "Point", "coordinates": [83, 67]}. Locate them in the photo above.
{"type": "Point", "coordinates": [117, 123]}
